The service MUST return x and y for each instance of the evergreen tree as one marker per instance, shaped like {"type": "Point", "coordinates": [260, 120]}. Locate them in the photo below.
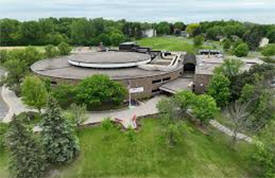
{"type": "Point", "coordinates": [27, 156]}
{"type": "Point", "coordinates": [58, 137]}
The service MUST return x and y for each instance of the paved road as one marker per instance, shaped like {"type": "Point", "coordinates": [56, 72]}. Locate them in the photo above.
{"type": "Point", "coordinates": [3, 105]}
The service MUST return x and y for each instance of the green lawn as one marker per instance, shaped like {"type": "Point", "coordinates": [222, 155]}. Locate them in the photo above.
{"type": "Point", "coordinates": [3, 164]}
{"type": "Point", "coordinates": [174, 44]}
{"type": "Point", "coordinates": [111, 154]}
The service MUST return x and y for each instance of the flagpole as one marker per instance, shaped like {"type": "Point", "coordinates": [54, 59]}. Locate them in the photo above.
{"type": "Point", "coordinates": [129, 91]}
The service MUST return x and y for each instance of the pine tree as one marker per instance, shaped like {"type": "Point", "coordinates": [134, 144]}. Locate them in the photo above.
{"type": "Point", "coordinates": [58, 136]}
{"type": "Point", "coordinates": [26, 154]}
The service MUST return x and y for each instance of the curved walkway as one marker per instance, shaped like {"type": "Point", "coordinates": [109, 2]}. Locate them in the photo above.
{"type": "Point", "coordinates": [14, 104]}
{"type": "Point", "coordinates": [145, 109]}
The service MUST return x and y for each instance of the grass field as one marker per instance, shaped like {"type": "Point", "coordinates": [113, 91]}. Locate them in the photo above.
{"type": "Point", "coordinates": [174, 44]}
{"type": "Point", "coordinates": [3, 164]}
{"type": "Point", "coordinates": [112, 154]}
{"type": "Point", "coordinates": [40, 48]}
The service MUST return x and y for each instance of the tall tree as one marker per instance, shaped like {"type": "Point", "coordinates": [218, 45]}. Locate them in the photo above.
{"type": "Point", "coordinates": [31, 33]}
{"type": "Point", "coordinates": [205, 108]}
{"type": "Point", "coordinates": [17, 69]}
{"type": "Point", "coordinates": [265, 153]}
{"type": "Point", "coordinates": [82, 32]}
{"type": "Point", "coordinates": [219, 89]}
{"type": "Point", "coordinates": [27, 155]}
{"type": "Point", "coordinates": [34, 92]}
{"type": "Point", "coordinates": [9, 32]}
{"type": "Point", "coordinates": [163, 28]}
{"type": "Point", "coordinates": [238, 114]}
{"type": "Point", "coordinates": [230, 68]}
{"type": "Point", "coordinates": [58, 136]}
{"type": "Point", "coordinates": [171, 119]}
{"type": "Point", "coordinates": [192, 28]}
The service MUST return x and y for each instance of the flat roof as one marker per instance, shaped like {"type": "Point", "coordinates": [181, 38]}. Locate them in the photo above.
{"type": "Point", "coordinates": [206, 64]}
{"type": "Point", "coordinates": [60, 68]}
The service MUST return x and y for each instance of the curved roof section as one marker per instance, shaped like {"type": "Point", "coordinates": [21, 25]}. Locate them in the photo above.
{"type": "Point", "coordinates": [108, 60]}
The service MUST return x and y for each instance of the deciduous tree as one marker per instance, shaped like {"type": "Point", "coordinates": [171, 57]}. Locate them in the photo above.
{"type": "Point", "coordinates": [241, 50]}
{"type": "Point", "coordinates": [171, 117]}
{"type": "Point", "coordinates": [99, 90]}
{"type": "Point", "coordinates": [230, 68]}
{"type": "Point", "coordinates": [198, 40]}
{"type": "Point", "coordinates": [51, 51]}
{"type": "Point", "coordinates": [204, 108]}
{"type": "Point", "coordinates": [64, 48]}
{"type": "Point", "coordinates": [34, 92]}
{"type": "Point", "coordinates": [219, 89]}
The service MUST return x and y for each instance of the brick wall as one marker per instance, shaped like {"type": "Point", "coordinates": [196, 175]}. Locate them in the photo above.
{"type": "Point", "coordinates": [201, 81]}
{"type": "Point", "coordinates": [145, 82]}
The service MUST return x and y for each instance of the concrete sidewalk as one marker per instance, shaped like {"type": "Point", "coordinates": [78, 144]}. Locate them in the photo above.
{"type": "Point", "coordinates": [147, 108]}
{"type": "Point", "coordinates": [14, 104]}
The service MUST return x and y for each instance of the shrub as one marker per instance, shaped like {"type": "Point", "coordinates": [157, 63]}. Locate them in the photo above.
{"type": "Point", "coordinates": [241, 50]}
{"type": "Point", "coordinates": [268, 50]}
{"type": "Point", "coordinates": [226, 44]}
{"type": "Point", "coordinates": [64, 94]}
{"type": "Point", "coordinates": [31, 55]}
{"type": "Point", "coordinates": [198, 40]}
{"type": "Point", "coordinates": [51, 51]}
{"type": "Point", "coordinates": [3, 56]}
{"type": "Point", "coordinates": [78, 114]}
{"type": "Point", "coordinates": [107, 124]}
{"type": "Point", "coordinates": [64, 48]}
{"type": "Point", "coordinates": [99, 90]}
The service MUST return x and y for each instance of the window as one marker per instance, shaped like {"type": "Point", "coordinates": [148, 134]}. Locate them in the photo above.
{"type": "Point", "coordinates": [166, 79]}
{"type": "Point", "coordinates": [53, 82]}
{"type": "Point", "coordinates": [156, 81]}
{"type": "Point", "coordinates": [155, 90]}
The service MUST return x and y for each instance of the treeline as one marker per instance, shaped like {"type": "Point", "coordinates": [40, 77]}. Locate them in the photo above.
{"type": "Point", "coordinates": [82, 31]}
{"type": "Point", "coordinates": [76, 31]}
